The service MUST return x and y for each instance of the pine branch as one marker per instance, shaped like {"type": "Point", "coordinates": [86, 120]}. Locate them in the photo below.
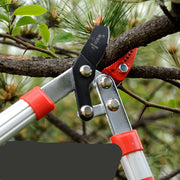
{"type": "Point", "coordinates": [141, 35]}
{"type": "Point", "coordinates": [166, 12]}
{"type": "Point", "coordinates": [172, 174]}
{"type": "Point", "coordinates": [28, 45]}
{"type": "Point", "coordinates": [151, 118]}
{"type": "Point", "coordinates": [66, 129]}
{"type": "Point", "coordinates": [147, 103]}
{"type": "Point", "coordinates": [150, 72]}
{"type": "Point", "coordinates": [58, 50]}
{"type": "Point", "coordinates": [53, 67]}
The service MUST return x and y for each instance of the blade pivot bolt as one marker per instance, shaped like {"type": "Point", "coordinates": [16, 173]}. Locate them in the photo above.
{"type": "Point", "coordinates": [123, 68]}
{"type": "Point", "coordinates": [85, 70]}
{"type": "Point", "coordinates": [113, 104]}
{"type": "Point", "coordinates": [106, 82]}
{"type": "Point", "coordinates": [86, 111]}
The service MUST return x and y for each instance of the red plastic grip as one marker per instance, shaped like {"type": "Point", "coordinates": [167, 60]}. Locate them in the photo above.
{"type": "Point", "coordinates": [148, 178]}
{"type": "Point", "coordinates": [39, 101]}
{"type": "Point", "coordinates": [128, 142]}
{"type": "Point", "coordinates": [114, 71]}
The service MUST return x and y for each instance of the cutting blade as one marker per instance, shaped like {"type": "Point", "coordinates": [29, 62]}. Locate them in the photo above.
{"type": "Point", "coordinates": [95, 46]}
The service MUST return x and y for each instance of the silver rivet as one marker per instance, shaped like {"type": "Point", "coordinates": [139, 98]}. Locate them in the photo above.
{"type": "Point", "coordinates": [123, 68]}
{"type": "Point", "coordinates": [85, 70]}
{"type": "Point", "coordinates": [86, 111]}
{"type": "Point", "coordinates": [113, 104]}
{"type": "Point", "coordinates": [106, 82]}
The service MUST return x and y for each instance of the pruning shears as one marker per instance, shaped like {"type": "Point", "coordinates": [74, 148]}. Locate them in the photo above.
{"type": "Point", "coordinates": [40, 101]}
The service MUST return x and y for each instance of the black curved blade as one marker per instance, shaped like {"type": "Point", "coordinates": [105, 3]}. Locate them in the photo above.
{"type": "Point", "coordinates": [96, 44]}
{"type": "Point", "coordinates": [90, 55]}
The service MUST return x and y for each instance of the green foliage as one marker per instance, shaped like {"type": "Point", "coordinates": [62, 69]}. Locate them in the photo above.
{"type": "Point", "coordinates": [80, 18]}
{"type": "Point", "coordinates": [4, 16]}
{"type": "Point", "coordinates": [9, 20]}
{"type": "Point", "coordinates": [25, 20]}
{"type": "Point", "coordinates": [44, 31]}
{"type": "Point", "coordinates": [16, 31]}
{"type": "Point", "coordinates": [58, 24]}
{"type": "Point", "coordinates": [33, 10]}
{"type": "Point", "coordinates": [41, 44]}
{"type": "Point", "coordinates": [62, 37]}
{"type": "Point", "coordinates": [4, 4]}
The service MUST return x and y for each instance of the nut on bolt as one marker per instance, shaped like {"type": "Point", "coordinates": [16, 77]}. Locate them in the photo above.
{"type": "Point", "coordinates": [86, 111]}
{"type": "Point", "coordinates": [85, 70]}
{"type": "Point", "coordinates": [123, 68]}
{"type": "Point", "coordinates": [106, 82]}
{"type": "Point", "coordinates": [113, 104]}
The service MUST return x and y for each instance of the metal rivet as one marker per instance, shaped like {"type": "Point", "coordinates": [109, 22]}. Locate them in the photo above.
{"type": "Point", "coordinates": [85, 70]}
{"type": "Point", "coordinates": [86, 111]}
{"type": "Point", "coordinates": [113, 104]}
{"type": "Point", "coordinates": [123, 68]}
{"type": "Point", "coordinates": [106, 82]}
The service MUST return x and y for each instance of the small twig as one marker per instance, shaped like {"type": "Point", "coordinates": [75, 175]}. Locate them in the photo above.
{"type": "Point", "coordinates": [157, 138]}
{"type": "Point", "coordinates": [151, 118]}
{"type": "Point", "coordinates": [175, 130]}
{"type": "Point", "coordinates": [173, 82]}
{"type": "Point", "coordinates": [58, 50]}
{"type": "Point", "coordinates": [172, 174]}
{"type": "Point", "coordinates": [148, 104]}
{"type": "Point", "coordinates": [148, 99]}
{"type": "Point", "coordinates": [66, 129]}
{"type": "Point", "coordinates": [28, 45]}
{"type": "Point", "coordinates": [25, 51]}
{"type": "Point", "coordinates": [165, 10]}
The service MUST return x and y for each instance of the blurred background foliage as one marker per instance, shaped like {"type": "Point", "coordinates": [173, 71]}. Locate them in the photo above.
{"type": "Point", "coordinates": [160, 136]}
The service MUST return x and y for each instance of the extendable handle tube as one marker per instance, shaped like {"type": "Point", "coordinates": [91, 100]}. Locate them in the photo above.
{"type": "Point", "coordinates": [133, 159]}
{"type": "Point", "coordinates": [32, 106]}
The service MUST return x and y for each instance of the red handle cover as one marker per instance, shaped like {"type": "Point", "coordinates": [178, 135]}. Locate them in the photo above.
{"type": "Point", "coordinates": [129, 142]}
{"type": "Point", "coordinates": [114, 71]}
{"type": "Point", "coordinates": [148, 178]}
{"type": "Point", "coordinates": [39, 101]}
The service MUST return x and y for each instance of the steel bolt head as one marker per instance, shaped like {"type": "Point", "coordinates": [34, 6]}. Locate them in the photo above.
{"type": "Point", "coordinates": [106, 82]}
{"type": "Point", "coordinates": [85, 70]}
{"type": "Point", "coordinates": [123, 68]}
{"type": "Point", "coordinates": [113, 104]}
{"type": "Point", "coordinates": [86, 111]}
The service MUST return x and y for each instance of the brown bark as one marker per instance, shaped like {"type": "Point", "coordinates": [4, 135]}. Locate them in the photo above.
{"type": "Point", "coordinates": [141, 35]}
{"type": "Point", "coordinates": [138, 36]}
{"type": "Point", "coordinates": [43, 67]}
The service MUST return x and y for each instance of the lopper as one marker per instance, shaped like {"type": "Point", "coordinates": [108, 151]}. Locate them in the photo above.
{"type": "Point", "coordinates": [40, 101]}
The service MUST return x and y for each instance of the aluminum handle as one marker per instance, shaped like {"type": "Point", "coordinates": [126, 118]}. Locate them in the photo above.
{"type": "Point", "coordinates": [14, 119]}
{"type": "Point", "coordinates": [136, 167]}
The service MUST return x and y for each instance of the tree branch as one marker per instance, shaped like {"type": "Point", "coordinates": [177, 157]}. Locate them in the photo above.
{"type": "Point", "coordinates": [34, 66]}
{"type": "Point", "coordinates": [53, 67]}
{"type": "Point", "coordinates": [166, 12]}
{"type": "Point", "coordinates": [150, 72]}
{"type": "Point", "coordinates": [66, 129]}
{"type": "Point", "coordinates": [28, 45]}
{"type": "Point", "coordinates": [148, 104]}
{"type": "Point", "coordinates": [141, 35]}
{"type": "Point", "coordinates": [152, 135]}
{"type": "Point", "coordinates": [153, 117]}
{"type": "Point", "coordinates": [57, 49]}
{"type": "Point", "coordinates": [172, 174]}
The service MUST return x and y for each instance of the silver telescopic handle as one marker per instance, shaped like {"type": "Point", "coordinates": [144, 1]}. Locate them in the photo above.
{"type": "Point", "coordinates": [136, 167]}
{"type": "Point", "coordinates": [14, 119]}
{"type": "Point", "coordinates": [35, 104]}
{"type": "Point", "coordinates": [133, 161]}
